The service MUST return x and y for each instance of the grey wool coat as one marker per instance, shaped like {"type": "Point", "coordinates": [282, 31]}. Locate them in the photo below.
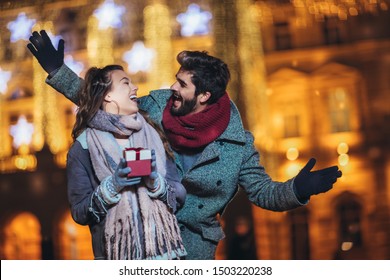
{"type": "Point", "coordinates": [225, 164]}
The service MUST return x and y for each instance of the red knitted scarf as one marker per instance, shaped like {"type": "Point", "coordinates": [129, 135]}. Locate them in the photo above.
{"type": "Point", "coordinates": [195, 131]}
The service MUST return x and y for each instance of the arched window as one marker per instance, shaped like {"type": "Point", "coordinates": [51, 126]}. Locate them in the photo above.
{"type": "Point", "coordinates": [22, 238]}
{"type": "Point", "coordinates": [349, 211]}
{"type": "Point", "coordinates": [339, 110]}
{"type": "Point", "coordinates": [74, 240]}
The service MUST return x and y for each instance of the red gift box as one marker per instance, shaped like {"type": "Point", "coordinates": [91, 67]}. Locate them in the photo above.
{"type": "Point", "coordinates": [139, 160]}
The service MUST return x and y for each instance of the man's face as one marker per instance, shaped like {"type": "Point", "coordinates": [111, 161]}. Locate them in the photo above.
{"type": "Point", "coordinates": [184, 100]}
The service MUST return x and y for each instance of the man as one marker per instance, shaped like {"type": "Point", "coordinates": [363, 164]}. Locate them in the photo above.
{"type": "Point", "coordinates": [213, 152]}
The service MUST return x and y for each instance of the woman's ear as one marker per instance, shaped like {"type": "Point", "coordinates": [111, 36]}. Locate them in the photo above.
{"type": "Point", "coordinates": [108, 98]}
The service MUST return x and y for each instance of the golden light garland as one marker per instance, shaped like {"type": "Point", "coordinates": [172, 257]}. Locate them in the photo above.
{"type": "Point", "coordinates": [47, 125]}
{"type": "Point", "coordinates": [39, 77]}
{"type": "Point", "coordinates": [99, 44]}
{"type": "Point", "coordinates": [5, 140]}
{"type": "Point", "coordinates": [253, 73]}
{"type": "Point", "coordinates": [158, 36]}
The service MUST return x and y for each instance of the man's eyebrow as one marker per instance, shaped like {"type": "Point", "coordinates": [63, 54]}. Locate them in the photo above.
{"type": "Point", "coordinates": [181, 81]}
{"type": "Point", "coordinates": [124, 78]}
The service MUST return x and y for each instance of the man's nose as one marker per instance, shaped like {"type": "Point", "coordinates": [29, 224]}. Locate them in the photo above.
{"type": "Point", "coordinates": [173, 86]}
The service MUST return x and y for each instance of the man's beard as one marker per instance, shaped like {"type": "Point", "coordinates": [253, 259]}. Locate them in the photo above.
{"type": "Point", "coordinates": [187, 106]}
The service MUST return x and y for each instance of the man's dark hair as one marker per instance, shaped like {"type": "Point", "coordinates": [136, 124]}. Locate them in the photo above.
{"type": "Point", "coordinates": [208, 73]}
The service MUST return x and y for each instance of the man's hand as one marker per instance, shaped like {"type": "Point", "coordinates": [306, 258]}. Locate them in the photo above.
{"type": "Point", "coordinates": [42, 48]}
{"type": "Point", "coordinates": [308, 182]}
{"type": "Point", "coordinates": [119, 178]}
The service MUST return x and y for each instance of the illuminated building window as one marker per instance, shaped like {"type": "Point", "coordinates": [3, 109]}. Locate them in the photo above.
{"type": "Point", "coordinates": [20, 93]}
{"type": "Point", "coordinates": [300, 241]}
{"type": "Point", "coordinates": [349, 213]}
{"type": "Point", "coordinates": [339, 110]}
{"type": "Point", "coordinates": [282, 36]}
{"type": "Point", "coordinates": [74, 240]}
{"type": "Point", "coordinates": [22, 238]}
{"type": "Point", "coordinates": [5, 77]}
{"type": "Point", "coordinates": [349, 210]}
{"type": "Point", "coordinates": [291, 126]}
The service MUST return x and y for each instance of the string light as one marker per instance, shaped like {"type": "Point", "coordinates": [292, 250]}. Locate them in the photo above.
{"type": "Point", "coordinates": [158, 36]}
{"type": "Point", "coordinates": [99, 44]}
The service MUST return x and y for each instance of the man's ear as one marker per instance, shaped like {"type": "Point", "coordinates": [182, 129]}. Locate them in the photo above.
{"type": "Point", "coordinates": [204, 97]}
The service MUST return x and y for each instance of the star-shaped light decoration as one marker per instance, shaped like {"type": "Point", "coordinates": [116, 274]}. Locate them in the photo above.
{"type": "Point", "coordinates": [194, 21]}
{"type": "Point", "coordinates": [76, 66]}
{"type": "Point", "coordinates": [5, 76]}
{"type": "Point", "coordinates": [22, 132]}
{"type": "Point", "coordinates": [21, 27]}
{"type": "Point", "coordinates": [109, 14]}
{"type": "Point", "coordinates": [139, 58]}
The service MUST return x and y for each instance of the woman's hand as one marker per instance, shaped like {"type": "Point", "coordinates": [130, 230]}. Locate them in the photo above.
{"type": "Point", "coordinates": [151, 179]}
{"type": "Point", "coordinates": [120, 179]}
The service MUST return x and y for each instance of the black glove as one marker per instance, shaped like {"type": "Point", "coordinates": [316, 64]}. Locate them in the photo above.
{"type": "Point", "coordinates": [307, 183]}
{"type": "Point", "coordinates": [42, 48]}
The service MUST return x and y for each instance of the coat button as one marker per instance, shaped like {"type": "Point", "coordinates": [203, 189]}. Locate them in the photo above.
{"type": "Point", "coordinates": [200, 206]}
{"type": "Point", "coordinates": [221, 143]}
{"type": "Point", "coordinates": [219, 182]}
{"type": "Point", "coordinates": [182, 228]}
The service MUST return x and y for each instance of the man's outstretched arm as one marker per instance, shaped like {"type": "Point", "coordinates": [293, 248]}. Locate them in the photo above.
{"type": "Point", "coordinates": [61, 78]}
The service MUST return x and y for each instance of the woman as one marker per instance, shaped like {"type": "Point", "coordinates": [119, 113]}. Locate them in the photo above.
{"type": "Point", "coordinates": [129, 218]}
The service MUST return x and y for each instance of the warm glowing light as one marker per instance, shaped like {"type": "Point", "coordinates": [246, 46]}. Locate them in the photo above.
{"type": "Point", "coordinates": [5, 76]}
{"type": "Point", "coordinates": [292, 153]}
{"type": "Point", "coordinates": [109, 15]}
{"type": "Point", "coordinates": [157, 33]}
{"type": "Point", "coordinates": [269, 91]}
{"type": "Point", "coordinates": [194, 21]}
{"type": "Point", "coordinates": [21, 27]}
{"type": "Point", "coordinates": [292, 170]}
{"type": "Point", "coordinates": [25, 162]}
{"type": "Point", "coordinates": [343, 159]}
{"type": "Point", "coordinates": [22, 132]}
{"type": "Point", "coordinates": [76, 66]}
{"type": "Point", "coordinates": [346, 246]}
{"type": "Point", "coordinates": [139, 58]}
{"type": "Point", "coordinates": [342, 148]}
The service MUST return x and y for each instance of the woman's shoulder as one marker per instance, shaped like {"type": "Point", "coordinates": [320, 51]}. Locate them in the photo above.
{"type": "Point", "coordinates": [79, 146]}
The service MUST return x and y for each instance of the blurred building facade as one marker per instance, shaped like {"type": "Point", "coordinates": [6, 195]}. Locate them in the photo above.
{"type": "Point", "coordinates": [310, 78]}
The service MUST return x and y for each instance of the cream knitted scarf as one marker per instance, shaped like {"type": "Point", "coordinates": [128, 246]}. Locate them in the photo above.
{"type": "Point", "coordinates": [137, 227]}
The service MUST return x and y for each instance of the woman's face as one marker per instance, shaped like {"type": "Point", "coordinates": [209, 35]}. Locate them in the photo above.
{"type": "Point", "coordinates": [123, 94]}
